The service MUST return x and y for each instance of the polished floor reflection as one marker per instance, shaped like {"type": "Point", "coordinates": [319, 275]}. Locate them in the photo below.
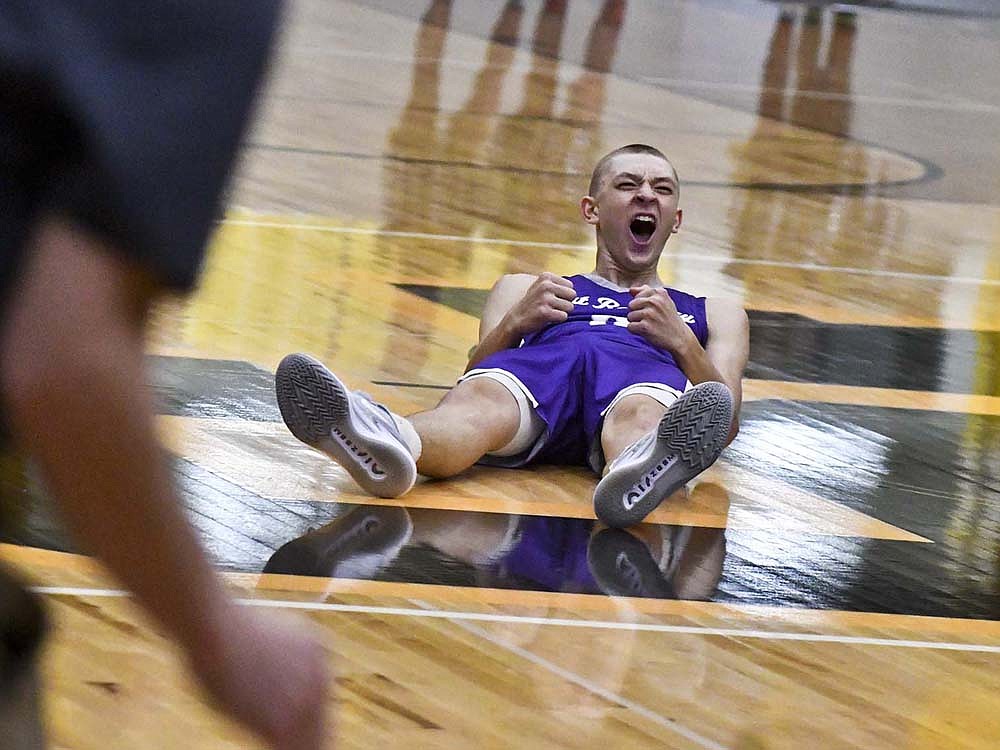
{"type": "Point", "coordinates": [492, 550]}
{"type": "Point", "coordinates": [833, 581]}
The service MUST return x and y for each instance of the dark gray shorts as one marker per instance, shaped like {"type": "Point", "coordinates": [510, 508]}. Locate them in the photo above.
{"type": "Point", "coordinates": [125, 116]}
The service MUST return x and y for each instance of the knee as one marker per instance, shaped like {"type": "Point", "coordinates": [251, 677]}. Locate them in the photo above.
{"type": "Point", "coordinates": [636, 413]}
{"type": "Point", "coordinates": [484, 403]}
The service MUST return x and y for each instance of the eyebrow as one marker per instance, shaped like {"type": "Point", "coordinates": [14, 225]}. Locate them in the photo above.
{"type": "Point", "coordinates": [638, 178]}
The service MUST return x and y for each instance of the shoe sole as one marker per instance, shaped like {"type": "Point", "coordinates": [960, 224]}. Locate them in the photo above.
{"type": "Point", "coordinates": [689, 439]}
{"type": "Point", "coordinates": [317, 409]}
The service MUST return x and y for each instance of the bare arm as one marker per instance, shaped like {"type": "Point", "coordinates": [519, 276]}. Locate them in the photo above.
{"type": "Point", "coordinates": [519, 304]}
{"type": "Point", "coordinates": [653, 315]}
{"type": "Point", "coordinates": [728, 348]}
{"type": "Point", "coordinates": [73, 385]}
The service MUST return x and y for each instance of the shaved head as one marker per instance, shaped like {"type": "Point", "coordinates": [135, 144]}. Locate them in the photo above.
{"type": "Point", "coordinates": [633, 148]}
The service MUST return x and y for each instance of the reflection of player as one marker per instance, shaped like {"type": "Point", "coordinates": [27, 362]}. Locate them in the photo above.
{"type": "Point", "coordinates": [592, 369]}
{"type": "Point", "coordinates": [118, 125]}
{"type": "Point", "coordinates": [667, 562]}
{"type": "Point", "coordinates": [501, 551]}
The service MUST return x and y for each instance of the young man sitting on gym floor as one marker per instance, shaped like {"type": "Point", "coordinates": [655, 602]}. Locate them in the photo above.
{"type": "Point", "coordinates": [609, 369]}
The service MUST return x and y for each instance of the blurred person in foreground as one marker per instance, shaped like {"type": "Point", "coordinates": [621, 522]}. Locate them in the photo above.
{"type": "Point", "coordinates": [119, 123]}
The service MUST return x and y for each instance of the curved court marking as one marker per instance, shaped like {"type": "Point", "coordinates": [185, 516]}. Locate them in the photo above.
{"type": "Point", "coordinates": [443, 614]}
{"type": "Point", "coordinates": [697, 257]}
{"type": "Point", "coordinates": [899, 101]}
{"type": "Point", "coordinates": [931, 171]}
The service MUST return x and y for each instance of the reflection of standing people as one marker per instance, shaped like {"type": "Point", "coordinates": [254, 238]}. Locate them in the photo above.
{"type": "Point", "coordinates": [435, 146]}
{"type": "Point", "coordinates": [570, 141]}
{"type": "Point", "coordinates": [819, 99]}
{"type": "Point", "coordinates": [587, 95]}
{"type": "Point", "coordinates": [118, 125]}
{"type": "Point", "coordinates": [439, 147]}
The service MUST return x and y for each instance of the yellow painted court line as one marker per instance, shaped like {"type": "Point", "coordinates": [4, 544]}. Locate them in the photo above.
{"type": "Point", "coordinates": [262, 458]}
{"type": "Point", "coordinates": [63, 565]}
{"type": "Point", "coordinates": [483, 504]}
{"type": "Point", "coordinates": [893, 398]}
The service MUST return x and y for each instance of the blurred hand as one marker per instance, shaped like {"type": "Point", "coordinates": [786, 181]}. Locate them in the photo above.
{"type": "Point", "coordinates": [270, 673]}
{"type": "Point", "coordinates": [548, 300]}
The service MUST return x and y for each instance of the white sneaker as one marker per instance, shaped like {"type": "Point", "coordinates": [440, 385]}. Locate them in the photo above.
{"type": "Point", "coordinates": [689, 438]}
{"type": "Point", "coordinates": [357, 433]}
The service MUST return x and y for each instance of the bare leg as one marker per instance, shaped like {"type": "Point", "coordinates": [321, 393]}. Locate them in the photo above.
{"type": "Point", "coordinates": [632, 417]}
{"type": "Point", "coordinates": [476, 417]}
{"type": "Point", "coordinates": [652, 452]}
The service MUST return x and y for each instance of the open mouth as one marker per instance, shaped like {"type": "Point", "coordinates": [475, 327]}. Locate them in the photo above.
{"type": "Point", "coordinates": [642, 227]}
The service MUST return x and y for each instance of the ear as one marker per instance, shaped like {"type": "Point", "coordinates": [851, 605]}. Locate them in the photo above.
{"type": "Point", "coordinates": [677, 222]}
{"type": "Point", "coordinates": [588, 207]}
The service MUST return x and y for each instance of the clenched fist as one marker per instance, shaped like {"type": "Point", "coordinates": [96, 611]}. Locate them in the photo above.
{"type": "Point", "coordinates": [653, 315]}
{"type": "Point", "coordinates": [549, 299]}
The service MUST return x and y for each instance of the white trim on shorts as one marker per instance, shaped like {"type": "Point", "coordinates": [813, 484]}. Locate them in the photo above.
{"type": "Point", "coordinates": [661, 392]}
{"type": "Point", "coordinates": [531, 427]}
{"type": "Point", "coordinates": [501, 376]}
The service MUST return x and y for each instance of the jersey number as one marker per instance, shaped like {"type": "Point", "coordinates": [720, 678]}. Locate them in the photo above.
{"type": "Point", "coordinates": [603, 320]}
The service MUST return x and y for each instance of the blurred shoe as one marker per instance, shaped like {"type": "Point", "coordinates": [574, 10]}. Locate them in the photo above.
{"type": "Point", "coordinates": [357, 545]}
{"type": "Point", "coordinates": [362, 436]}
{"type": "Point", "coordinates": [689, 438]}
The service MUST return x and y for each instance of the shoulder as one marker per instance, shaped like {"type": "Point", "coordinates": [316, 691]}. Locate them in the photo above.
{"type": "Point", "coordinates": [511, 286]}
{"type": "Point", "coordinates": [680, 294]}
{"type": "Point", "coordinates": [725, 314]}
{"type": "Point", "coordinates": [513, 281]}
{"type": "Point", "coordinates": [518, 283]}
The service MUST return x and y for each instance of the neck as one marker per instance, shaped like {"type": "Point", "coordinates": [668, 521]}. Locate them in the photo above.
{"type": "Point", "coordinates": [624, 277]}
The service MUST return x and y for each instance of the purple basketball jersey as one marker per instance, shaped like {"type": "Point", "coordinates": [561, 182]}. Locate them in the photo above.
{"type": "Point", "coordinates": [574, 369]}
{"type": "Point", "coordinates": [601, 308]}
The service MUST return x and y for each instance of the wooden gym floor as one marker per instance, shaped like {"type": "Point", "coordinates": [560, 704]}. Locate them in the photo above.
{"type": "Point", "coordinates": [834, 581]}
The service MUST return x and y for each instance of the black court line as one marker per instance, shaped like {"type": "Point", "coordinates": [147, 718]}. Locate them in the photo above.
{"type": "Point", "coordinates": [785, 346]}
{"type": "Point", "coordinates": [213, 389]}
{"type": "Point", "coordinates": [935, 474]}
{"type": "Point", "coordinates": [947, 11]}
